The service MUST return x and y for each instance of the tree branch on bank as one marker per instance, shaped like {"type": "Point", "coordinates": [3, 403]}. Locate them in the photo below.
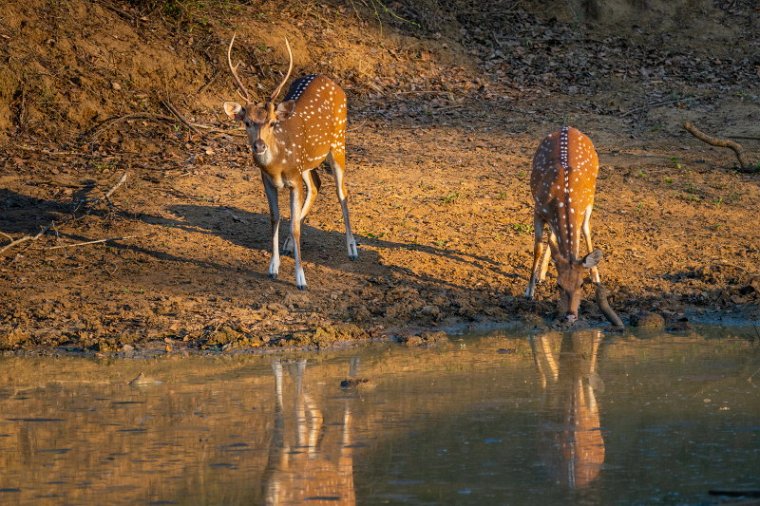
{"type": "Point", "coordinates": [721, 143]}
{"type": "Point", "coordinates": [55, 224]}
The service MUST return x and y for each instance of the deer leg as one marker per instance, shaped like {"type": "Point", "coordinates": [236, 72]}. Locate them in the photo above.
{"type": "Point", "coordinates": [277, 369]}
{"type": "Point", "coordinates": [547, 257]}
{"type": "Point", "coordinates": [337, 162]}
{"type": "Point", "coordinates": [587, 235]}
{"type": "Point", "coordinates": [295, 231]}
{"type": "Point", "coordinates": [274, 218]}
{"type": "Point", "coordinates": [313, 183]}
{"type": "Point", "coordinates": [539, 250]}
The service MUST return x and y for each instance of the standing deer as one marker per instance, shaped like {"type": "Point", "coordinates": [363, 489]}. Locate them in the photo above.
{"type": "Point", "coordinates": [289, 141]}
{"type": "Point", "coordinates": [563, 183]}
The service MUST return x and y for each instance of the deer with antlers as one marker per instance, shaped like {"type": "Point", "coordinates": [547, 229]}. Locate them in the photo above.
{"type": "Point", "coordinates": [563, 184]}
{"type": "Point", "coordinates": [290, 140]}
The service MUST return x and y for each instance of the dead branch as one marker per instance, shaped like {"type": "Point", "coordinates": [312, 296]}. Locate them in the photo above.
{"type": "Point", "coordinates": [601, 299]}
{"type": "Point", "coordinates": [116, 186]}
{"type": "Point", "coordinates": [721, 143]}
{"type": "Point", "coordinates": [14, 242]}
{"type": "Point", "coordinates": [97, 241]}
{"type": "Point", "coordinates": [54, 225]}
{"type": "Point", "coordinates": [94, 131]}
{"type": "Point", "coordinates": [179, 116]}
{"type": "Point", "coordinates": [208, 83]}
{"type": "Point", "coordinates": [106, 196]}
{"type": "Point", "coordinates": [659, 104]}
{"type": "Point", "coordinates": [21, 108]}
{"type": "Point", "coordinates": [356, 127]}
{"type": "Point", "coordinates": [27, 238]}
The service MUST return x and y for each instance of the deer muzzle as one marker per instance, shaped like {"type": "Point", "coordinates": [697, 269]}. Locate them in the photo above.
{"type": "Point", "coordinates": [259, 147]}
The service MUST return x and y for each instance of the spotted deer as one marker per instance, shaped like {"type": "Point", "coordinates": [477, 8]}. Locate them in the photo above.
{"type": "Point", "coordinates": [289, 141]}
{"type": "Point", "coordinates": [563, 183]}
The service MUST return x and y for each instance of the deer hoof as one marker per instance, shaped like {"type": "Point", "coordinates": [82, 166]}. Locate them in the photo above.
{"type": "Point", "coordinates": [301, 287]}
{"type": "Point", "coordinates": [353, 252]}
{"type": "Point", "coordinates": [272, 275]}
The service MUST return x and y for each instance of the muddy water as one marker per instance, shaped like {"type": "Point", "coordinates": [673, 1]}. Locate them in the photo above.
{"type": "Point", "coordinates": [544, 419]}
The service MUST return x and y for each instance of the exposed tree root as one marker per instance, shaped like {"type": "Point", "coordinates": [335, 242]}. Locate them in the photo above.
{"type": "Point", "coordinates": [721, 143]}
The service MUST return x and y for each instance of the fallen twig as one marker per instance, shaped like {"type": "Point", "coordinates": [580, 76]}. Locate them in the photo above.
{"type": "Point", "coordinates": [92, 132]}
{"type": "Point", "coordinates": [601, 299]}
{"type": "Point", "coordinates": [75, 245]}
{"type": "Point", "coordinates": [356, 127]}
{"type": "Point", "coordinates": [54, 225]}
{"type": "Point", "coordinates": [14, 242]}
{"type": "Point", "coordinates": [21, 108]}
{"type": "Point", "coordinates": [658, 104]}
{"type": "Point", "coordinates": [116, 186]}
{"type": "Point", "coordinates": [208, 83]}
{"type": "Point", "coordinates": [721, 143]}
{"type": "Point", "coordinates": [179, 116]}
{"type": "Point", "coordinates": [106, 196]}
{"type": "Point", "coordinates": [27, 238]}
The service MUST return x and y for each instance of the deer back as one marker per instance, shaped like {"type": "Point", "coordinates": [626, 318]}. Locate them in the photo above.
{"type": "Point", "coordinates": [563, 183]}
{"type": "Point", "coordinates": [318, 123]}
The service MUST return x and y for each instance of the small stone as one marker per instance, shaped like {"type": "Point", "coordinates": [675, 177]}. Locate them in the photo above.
{"type": "Point", "coordinates": [116, 86]}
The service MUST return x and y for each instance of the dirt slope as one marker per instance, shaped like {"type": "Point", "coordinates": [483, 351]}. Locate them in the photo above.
{"type": "Point", "coordinates": [445, 115]}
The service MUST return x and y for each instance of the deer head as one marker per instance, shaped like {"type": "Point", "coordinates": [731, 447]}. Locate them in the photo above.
{"type": "Point", "coordinates": [261, 120]}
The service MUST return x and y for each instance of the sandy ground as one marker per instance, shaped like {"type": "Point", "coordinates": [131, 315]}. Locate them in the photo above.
{"type": "Point", "coordinates": [440, 204]}
{"type": "Point", "coordinates": [443, 215]}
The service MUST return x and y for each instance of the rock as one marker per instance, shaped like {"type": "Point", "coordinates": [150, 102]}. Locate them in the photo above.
{"type": "Point", "coordinates": [423, 338]}
{"type": "Point", "coordinates": [647, 320]}
{"type": "Point", "coordinates": [355, 383]}
{"type": "Point", "coordinates": [141, 380]}
{"type": "Point", "coordinates": [680, 325]}
{"type": "Point", "coordinates": [431, 311]}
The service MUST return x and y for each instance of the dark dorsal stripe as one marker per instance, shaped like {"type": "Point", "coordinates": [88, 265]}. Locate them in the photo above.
{"type": "Point", "coordinates": [564, 161]}
{"type": "Point", "coordinates": [299, 86]}
{"type": "Point", "coordinates": [564, 157]}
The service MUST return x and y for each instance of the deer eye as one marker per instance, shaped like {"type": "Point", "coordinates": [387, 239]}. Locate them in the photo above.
{"type": "Point", "coordinates": [272, 123]}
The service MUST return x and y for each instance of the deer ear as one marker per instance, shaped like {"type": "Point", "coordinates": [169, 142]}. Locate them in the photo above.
{"type": "Point", "coordinates": [234, 110]}
{"type": "Point", "coordinates": [592, 259]}
{"type": "Point", "coordinates": [285, 110]}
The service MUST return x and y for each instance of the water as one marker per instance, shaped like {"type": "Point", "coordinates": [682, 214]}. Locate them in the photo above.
{"type": "Point", "coordinates": [547, 419]}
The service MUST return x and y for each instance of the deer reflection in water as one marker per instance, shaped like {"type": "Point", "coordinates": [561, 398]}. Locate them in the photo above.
{"type": "Point", "coordinates": [572, 443]}
{"type": "Point", "coordinates": [309, 460]}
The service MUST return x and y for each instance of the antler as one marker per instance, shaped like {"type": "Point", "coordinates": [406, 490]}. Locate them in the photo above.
{"type": "Point", "coordinates": [233, 69]}
{"type": "Point", "coordinates": [290, 67]}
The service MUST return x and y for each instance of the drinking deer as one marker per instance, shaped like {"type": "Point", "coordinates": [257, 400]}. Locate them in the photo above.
{"type": "Point", "coordinates": [563, 183]}
{"type": "Point", "coordinates": [289, 141]}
